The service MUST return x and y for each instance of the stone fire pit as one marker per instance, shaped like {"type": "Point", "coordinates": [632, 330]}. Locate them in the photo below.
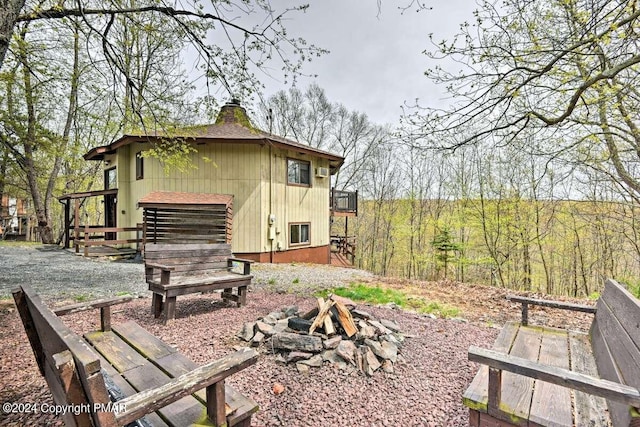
{"type": "Point", "coordinates": [335, 332]}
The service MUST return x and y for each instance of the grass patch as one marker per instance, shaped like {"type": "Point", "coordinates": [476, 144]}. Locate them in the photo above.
{"type": "Point", "coordinates": [440, 310]}
{"type": "Point", "coordinates": [272, 281]}
{"type": "Point", "coordinates": [634, 288]}
{"type": "Point", "coordinates": [16, 244]}
{"type": "Point", "coordinates": [380, 295]}
{"type": "Point", "coordinates": [632, 284]}
{"type": "Point", "coordinates": [81, 298]}
{"type": "Point", "coordinates": [296, 281]}
{"type": "Point", "coordinates": [371, 294]}
{"type": "Point", "coordinates": [122, 294]}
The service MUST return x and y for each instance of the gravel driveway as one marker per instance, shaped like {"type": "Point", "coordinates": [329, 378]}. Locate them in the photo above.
{"type": "Point", "coordinates": [59, 274]}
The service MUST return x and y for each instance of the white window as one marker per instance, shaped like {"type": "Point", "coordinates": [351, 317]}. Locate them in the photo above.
{"type": "Point", "coordinates": [299, 234]}
{"type": "Point", "coordinates": [298, 172]}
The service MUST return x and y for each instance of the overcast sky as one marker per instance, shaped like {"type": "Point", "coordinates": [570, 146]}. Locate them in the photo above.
{"type": "Point", "coordinates": [375, 62]}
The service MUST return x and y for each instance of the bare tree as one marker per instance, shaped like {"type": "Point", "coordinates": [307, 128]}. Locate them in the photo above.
{"type": "Point", "coordinates": [309, 117]}
{"type": "Point", "coordinates": [376, 228]}
{"type": "Point", "coordinates": [305, 116]}
{"type": "Point", "coordinates": [563, 71]}
{"type": "Point", "coordinates": [249, 40]}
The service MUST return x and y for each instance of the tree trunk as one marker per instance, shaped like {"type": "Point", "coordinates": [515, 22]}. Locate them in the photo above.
{"type": "Point", "coordinates": [526, 265]}
{"type": "Point", "coordinates": [29, 142]}
{"type": "Point", "coordinates": [9, 11]}
{"type": "Point", "coordinates": [4, 161]}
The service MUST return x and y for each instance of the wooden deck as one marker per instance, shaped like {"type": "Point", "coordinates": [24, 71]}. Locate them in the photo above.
{"type": "Point", "coordinates": [104, 250]}
{"type": "Point", "coordinates": [340, 260]}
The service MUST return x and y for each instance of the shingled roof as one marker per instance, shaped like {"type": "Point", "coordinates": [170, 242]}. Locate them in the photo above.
{"type": "Point", "coordinates": [174, 197]}
{"type": "Point", "coordinates": [232, 125]}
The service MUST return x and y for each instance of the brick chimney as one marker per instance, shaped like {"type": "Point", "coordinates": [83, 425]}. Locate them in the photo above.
{"type": "Point", "coordinates": [232, 113]}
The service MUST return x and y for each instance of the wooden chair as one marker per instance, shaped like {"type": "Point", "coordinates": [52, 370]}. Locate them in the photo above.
{"type": "Point", "coordinates": [122, 373]}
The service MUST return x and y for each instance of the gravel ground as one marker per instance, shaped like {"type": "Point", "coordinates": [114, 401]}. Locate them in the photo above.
{"type": "Point", "coordinates": [426, 390]}
{"type": "Point", "coordinates": [58, 274]}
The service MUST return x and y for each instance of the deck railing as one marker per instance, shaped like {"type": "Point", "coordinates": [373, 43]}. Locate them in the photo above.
{"type": "Point", "coordinates": [344, 201]}
{"type": "Point", "coordinates": [96, 235]}
{"type": "Point", "coordinates": [344, 245]}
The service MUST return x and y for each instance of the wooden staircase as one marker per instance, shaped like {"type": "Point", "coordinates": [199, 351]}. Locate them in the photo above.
{"type": "Point", "coordinates": [339, 260]}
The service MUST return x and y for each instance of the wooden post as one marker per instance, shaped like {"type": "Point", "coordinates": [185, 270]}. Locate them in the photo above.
{"type": "Point", "coordinates": [139, 237]}
{"type": "Point", "coordinates": [215, 404]}
{"type": "Point", "coordinates": [67, 223]}
{"type": "Point", "coordinates": [474, 418]}
{"type": "Point", "coordinates": [525, 314]}
{"type": "Point", "coordinates": [169, 309]}
{"type": "Point", "coordinates": [105, 318]}
{"type": "Point", "coordinates": [346, 236]}
{"type": "Point", "coordinates": [144, 228]}
{"type": "Point", "coordinates": [76, 225]}
{"type": "Point", "coordinates": [356, 202]}
{"type": "Point", "coordinates": [155, 225]}
{"type": "Point", "coordinates": [72, 389]}
{"type": "Point", "coordinates": [86, 240]}
{"type": "Point", "coordinates": [495, 389]}
{"type": "Point", "coordinates": [156, 305]}
{"type": "Point", "coordinates": [242, 296]}
{"type": "Point", "coordinates": [165, 277]}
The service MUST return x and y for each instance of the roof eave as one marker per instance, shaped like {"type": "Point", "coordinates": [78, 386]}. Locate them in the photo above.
{"type": "Point", "coordinates": [334, 159]}
{"type": "Point", "coordinates": [98, 153]}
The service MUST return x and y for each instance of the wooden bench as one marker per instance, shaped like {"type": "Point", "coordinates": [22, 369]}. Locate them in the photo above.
{"type": "Point", "coordinates": [539, 376]}
{"type": "Point", "coordinates": [172, 270]}
{"type": "Point", "coordinates": [121, 374]}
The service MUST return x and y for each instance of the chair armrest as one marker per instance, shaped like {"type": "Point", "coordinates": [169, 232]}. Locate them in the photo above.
{"type": "Point", "coordinates": [246, 261]}
{"type": "Point", "coordinates": [83, 306]}
{"type": "Point", "coordinates": [148, 401]}
{"type": "Point", "coordinates": [159, 266]}
{"type": "Point", "coordinates": [247, 264]}
{"type": "Point", "coordinates": [547, 303]}
{"type": "Point", "coordinates": [560, 376]}
{"type": "Point", "coordinates": [165, 273]}
{"type": "Point", "coordinates": [103, 304]}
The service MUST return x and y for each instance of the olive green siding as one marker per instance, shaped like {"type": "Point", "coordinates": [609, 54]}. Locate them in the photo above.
{"type": "Point", "coordinates": [256, 175]}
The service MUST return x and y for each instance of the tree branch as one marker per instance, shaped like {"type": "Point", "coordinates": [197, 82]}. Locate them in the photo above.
{"type": "Point", "coordinates": [165, 10]}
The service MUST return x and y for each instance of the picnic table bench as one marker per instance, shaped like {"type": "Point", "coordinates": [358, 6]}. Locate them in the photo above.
{"type": "Point", "coordinates": [123, 374]}
{"type": "Point", "coordinates": [540, 376]}
{"type": "Point", "coordinates": [172, 270]}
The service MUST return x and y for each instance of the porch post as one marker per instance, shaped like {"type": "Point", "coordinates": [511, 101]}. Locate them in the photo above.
{"type": "Point", "coordinates": [67, 223]}
{"type": "Point", "coordinates": [76, 223]}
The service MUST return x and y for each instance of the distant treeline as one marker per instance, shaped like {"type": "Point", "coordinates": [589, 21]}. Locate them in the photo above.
{"type": "Point", "coordinates": [555, 247]}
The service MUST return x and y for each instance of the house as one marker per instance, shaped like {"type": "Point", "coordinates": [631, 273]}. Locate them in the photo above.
{"type": "Point", "coordinates": [15, 222]}
{"type": "Point", "coordinates": [273, 194]}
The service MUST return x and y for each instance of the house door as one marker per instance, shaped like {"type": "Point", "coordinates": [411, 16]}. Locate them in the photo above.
{"type": "Point", "coordinates": [110, 206]}
{"type": "Point", "coordinates": [110, 203]}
